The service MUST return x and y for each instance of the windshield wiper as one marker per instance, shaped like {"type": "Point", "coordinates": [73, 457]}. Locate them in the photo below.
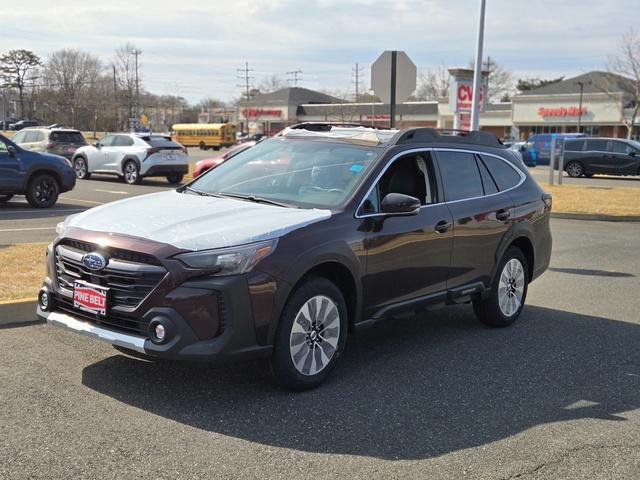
{"type": "Point", "coordinates": [200, 192]}
{"type": "Point", "coordinates": [253, 198]}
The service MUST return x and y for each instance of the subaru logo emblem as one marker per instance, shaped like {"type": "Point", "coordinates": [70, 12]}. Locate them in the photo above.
{"type": "Point", "coordinates": [94, 261]}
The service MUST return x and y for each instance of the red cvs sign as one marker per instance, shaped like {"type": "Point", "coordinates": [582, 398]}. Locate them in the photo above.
{"type": "Point", "coordinates": [464, 96]}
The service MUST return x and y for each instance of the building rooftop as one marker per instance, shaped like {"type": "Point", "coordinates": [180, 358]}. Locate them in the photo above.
{"type": "Point", "coordinates": [594, 82]}
{"type": "Point", "coordinates": [293, 96]}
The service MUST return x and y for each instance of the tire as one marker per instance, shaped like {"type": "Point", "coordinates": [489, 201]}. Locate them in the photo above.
{"type": "Point", "coordinates": [43, 191]}
{"type": "Point", "coordinates": [315, 348]}
{"type": "Point", "coordinates": [175, 178]}
{"type": "Point", "coordinates": [574, 169]}
{"type": "Point", "coordinates": [81, 168]}
{"type": "Point", "coordinates": [6, 197]}
{"type": "Point", "coordinates": [203, 146]}
{"type": "Point", "coordinates": [131, 173]}
{"type": "Point", "coordinates": [506, 300]}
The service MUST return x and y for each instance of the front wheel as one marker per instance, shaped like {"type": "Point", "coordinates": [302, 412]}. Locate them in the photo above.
{"type": "Point", "coordinates": [43, 191]}
{"type": "Point", "coordinates": [508, 293]}
{"type": "Point", "coordinates": [574, 169]}
{"type": "Point", "coordinates": [5, 198]}
{"type": "Point", "coordinates": [175, 178]}
{"type": "Point", "coordinates": [311, 335]}
{"type": "Point", "coordinates": [81, 168]}
{"type": "Point", "coordinates": [131, 173]}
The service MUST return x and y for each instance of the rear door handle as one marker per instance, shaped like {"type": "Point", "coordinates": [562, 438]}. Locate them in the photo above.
{"type": "Point", "coordinates": [442, 226]}
{"type": "Point", "coordinates": [502, 214]}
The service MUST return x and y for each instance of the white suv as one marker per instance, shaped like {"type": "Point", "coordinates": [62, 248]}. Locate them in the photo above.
{"type": "Point", "coordinates": [132, 157]}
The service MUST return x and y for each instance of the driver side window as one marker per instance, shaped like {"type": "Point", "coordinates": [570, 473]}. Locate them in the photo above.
{"type": "Point", "coordinates": [410, 175]}
{"type": "Point", "coordinates": [106, 141]}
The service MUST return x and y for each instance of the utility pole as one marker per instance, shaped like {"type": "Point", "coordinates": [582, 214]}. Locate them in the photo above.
{"type": "Point", "coordinates": [137, 52]}
{"type": "Point", "coordinates": [115, 100]}
{"type": "Point", "coordinates": [357, 73]}
{"type": "Point", "coordinates": [295, 79]}
{"type": "Point", "coordinates": [247, 85]}
{"type": "Point", "coordinates": [488, 65]}
{"type": "Point", "coordinates": [477, 74]}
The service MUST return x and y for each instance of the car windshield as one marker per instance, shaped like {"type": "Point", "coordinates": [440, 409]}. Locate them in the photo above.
{"type": "Point", "coordinates": [300, 172]}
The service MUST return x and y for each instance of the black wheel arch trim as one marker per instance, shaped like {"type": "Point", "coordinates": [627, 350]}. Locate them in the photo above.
{"type": "Point", "coordinates": [39, 169]}
{"type": "Point", "coordinates": [514, 233]}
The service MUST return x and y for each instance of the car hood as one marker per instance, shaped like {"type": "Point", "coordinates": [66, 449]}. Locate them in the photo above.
{"type": "Point", "coordinates": [195, 222]}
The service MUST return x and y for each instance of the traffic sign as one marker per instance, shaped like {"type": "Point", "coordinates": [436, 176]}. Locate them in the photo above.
{"type": "Point", "coordinates": [405, 78]}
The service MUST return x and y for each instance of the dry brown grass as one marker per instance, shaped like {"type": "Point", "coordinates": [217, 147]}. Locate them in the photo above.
{"type": "Point", "coordinates": [22, 268]}
{"type": "Point", "coordinates": [595, 200]}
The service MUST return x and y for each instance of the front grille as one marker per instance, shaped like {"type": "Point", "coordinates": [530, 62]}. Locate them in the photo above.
{"type": "Point", "coordinates": [129, 281]}
{"type": "Point", "coordinates": [116, 253]}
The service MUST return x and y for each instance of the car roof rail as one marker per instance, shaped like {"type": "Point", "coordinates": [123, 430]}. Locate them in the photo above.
{"type": "Point", "coordinates": [422, 135]}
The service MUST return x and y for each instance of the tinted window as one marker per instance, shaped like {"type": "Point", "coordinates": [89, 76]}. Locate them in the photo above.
{"type": "Point", "coordinates": [122, 141]}
{"type": "Point", "coordinates": [574, 145]}
{"type": "Point", "coordinates": [621, 147]}
{"type": "Point", "coordinates": [67, 137]}
{"type": "Point", "coordinates": [460, 175]}
{"type": "Point", "coordinates": [107, 141]}
{"type": "Point", "coordinates": [504, 175]}
{"type": "Point", "coordinates": [597, 145]}
{"type": "Point", "coordinates": [19, 137]}
{"type": "Point", "coordinates": [487, 181]}
{"type": "Point", "coordinates": [161, 142]}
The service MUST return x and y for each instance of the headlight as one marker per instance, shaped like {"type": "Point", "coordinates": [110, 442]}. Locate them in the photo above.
{"type": "Point", "coordinates": [229, 261]}
{"type": "Point", "coordinates": [62, 226]}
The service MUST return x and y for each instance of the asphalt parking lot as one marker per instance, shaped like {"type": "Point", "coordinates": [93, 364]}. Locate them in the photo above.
{"type": "Point", "coordinates": [437, 396]}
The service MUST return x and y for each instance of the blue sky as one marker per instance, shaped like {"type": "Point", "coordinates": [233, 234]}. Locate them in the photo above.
{"type": "Point", "coordinates": [194, 48]}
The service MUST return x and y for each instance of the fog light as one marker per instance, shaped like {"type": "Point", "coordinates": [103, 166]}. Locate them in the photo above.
{"type": "Point", "coordinates": [44, 300]}
{"type": "Point", "coordinates": [159, 331]}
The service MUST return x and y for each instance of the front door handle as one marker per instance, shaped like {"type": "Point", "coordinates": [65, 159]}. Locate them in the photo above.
{"type": "Point", "coordinates": [442, 226]}
{"type": "Point", "coordinates": [502, 214]}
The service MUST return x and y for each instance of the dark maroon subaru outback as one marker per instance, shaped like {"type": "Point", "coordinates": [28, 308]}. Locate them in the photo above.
{"type": "Point", "coordinates": [286, 247]}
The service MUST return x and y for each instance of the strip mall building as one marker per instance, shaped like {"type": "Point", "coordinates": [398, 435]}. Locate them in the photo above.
{"type": "Point", "coordinates": [559, 107]}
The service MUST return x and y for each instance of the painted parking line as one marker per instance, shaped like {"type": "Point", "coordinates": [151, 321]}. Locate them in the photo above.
{"type": "Point", "coordinates": [115, 192]}
{"type": "Point", "coordinates": [81, 200]}
{"type": "Point", "coordinates": [26, 229]}
{"type": "Point", "coordinates": [52, 213]}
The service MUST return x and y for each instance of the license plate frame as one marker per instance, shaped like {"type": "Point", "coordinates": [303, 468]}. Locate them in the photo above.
{"type": "Point", "coordinates": [90, 298]}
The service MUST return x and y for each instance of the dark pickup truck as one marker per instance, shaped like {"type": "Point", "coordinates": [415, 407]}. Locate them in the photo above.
{"type": "Point", "coordinates": [611, 156]}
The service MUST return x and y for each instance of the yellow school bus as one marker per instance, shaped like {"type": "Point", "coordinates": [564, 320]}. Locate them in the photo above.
{"type": "Point", "coordinates": [204, 135]}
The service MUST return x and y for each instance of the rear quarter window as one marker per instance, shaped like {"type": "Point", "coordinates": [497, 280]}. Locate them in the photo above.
{"type": "Point", "coordinates": [504, 175]}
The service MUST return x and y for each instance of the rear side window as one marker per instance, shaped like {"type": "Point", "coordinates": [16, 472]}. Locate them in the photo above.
{"type": "Point", "coordinates": [504, 175]}
{"type": "Point", "coordinates": [67, 137]}
{"type": "Point", "coordinates": [597, 145]}
{"type": "Point", "coordinates": [487, 180]}
{"type": "Point", "coordinates": [162, 142]}
{"type": "Point", "coordinates": [574, 145]}
{"type": "Point", "coordinates": [460, 175]}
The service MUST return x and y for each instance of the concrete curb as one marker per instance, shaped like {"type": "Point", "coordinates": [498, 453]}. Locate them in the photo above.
{"type": "Point", "coordinates": [596, 217]}
{"type": "Point", "coordinates": [15, 312]}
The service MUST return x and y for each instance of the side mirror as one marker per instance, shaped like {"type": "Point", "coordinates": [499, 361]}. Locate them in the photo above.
{"type": "Point", "coordinates": [523, 148]}
{"type": "Point", "coordinates": [399, 204]}
{"type": "Point", "coordinates": [97, 145]}
{"type": "Point", "coordinates": [633, 153]}
{"type": "Point", "coordinates": [12, 150]}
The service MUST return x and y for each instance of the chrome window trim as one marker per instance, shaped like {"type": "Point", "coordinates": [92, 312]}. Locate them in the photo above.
{"type": "Point", "coordinates": [523, 177]}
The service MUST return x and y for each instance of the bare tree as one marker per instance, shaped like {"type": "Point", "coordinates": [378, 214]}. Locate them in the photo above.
{"type": "Point", "coordinates": [271, 83]}
{"type": "Point", "coordinates": [126, 75]}
{"type": "Point", "coordinates": [500, 82]}
{"type": "Point", "coordinates": [73, 74]}
{"type": "Point", "coordinates": [433, 83]}
{"type": "Point", "coordinates": [14, 67]}
{"type": "Point", "coordinates": [622, 83]}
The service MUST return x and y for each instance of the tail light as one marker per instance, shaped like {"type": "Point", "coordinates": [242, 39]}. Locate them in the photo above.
{"type": "Point", "coordinates": [548, 201]}
{"type": "Point", "coordinates": [51, 145]}
{"type": "Point", "coordinates": [184, 149]}
{"type": "Point", "coordinates": [152, 150]}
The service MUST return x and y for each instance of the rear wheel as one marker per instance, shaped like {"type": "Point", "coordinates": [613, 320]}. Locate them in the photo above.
{"type": "Point", "coordinates": [203, 146]}
{"type": "Point", "coordinates": [175, 178]}
{"type": "Point", "coordinates": [508, 293]}
{"type": "Point", "coordinates": [5, 198]}
{"type": "Point", "coordinates": [43, 191]}
{"type": "Point", "coordinates": [574, 169]}
{"type": "Point", "coordinates": [131, 173]}
{"type": "Point", "coordinates": [81, 168]}
{"type": "Point", "coordinates": [311, 335]}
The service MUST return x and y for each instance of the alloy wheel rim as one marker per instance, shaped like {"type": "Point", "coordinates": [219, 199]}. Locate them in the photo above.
{"type": "Point", "coordinates": [43, 191]}
{"type": "Point", "coordinates": [130, 172]}
{"type": "Point", "coordinates": [80, 168]}
{"type": "Point", "coordinates": [511, 287]}
{"type": "Point", "coordinates": [314, 335]}
{"type": "Point", "coordinates": [574, 170]}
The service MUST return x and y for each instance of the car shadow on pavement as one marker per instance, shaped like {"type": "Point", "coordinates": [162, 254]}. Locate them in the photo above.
{"type": "Point", "coordinates": [590, 272]}
{"type": "Point", "coordinates": [405, 389]}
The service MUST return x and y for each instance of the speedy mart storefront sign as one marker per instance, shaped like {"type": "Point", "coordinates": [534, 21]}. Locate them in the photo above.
{"type": "Point", "coordinates": [597, 109]}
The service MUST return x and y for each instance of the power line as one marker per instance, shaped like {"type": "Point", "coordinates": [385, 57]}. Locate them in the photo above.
{"type": "Point", "coordinates": [294, 74]}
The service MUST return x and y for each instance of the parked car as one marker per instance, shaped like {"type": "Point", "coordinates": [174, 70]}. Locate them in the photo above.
{"type": "Point", "coordinates": [41, 177]}
{"type": "Point", "coordinates": [537, 149]}
{"type": "Point", "coordinates": [23, 124]}
{"type": "Point", "coordinates": [611, 156]}
{"type": "Point", "coordinates": [208, 163]}
{"type": "Point", "coordinates": [280, 259]}
{"type": "Point", "coordinates": [132, 157]}
{"type": "Point", "coordinates": [59, 141]}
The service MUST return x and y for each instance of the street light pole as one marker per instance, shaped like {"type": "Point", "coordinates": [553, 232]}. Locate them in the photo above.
{"type": "Point", "coordinates": [477, 73]}
{"type": "Point", "coordinates": [582, 84]}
